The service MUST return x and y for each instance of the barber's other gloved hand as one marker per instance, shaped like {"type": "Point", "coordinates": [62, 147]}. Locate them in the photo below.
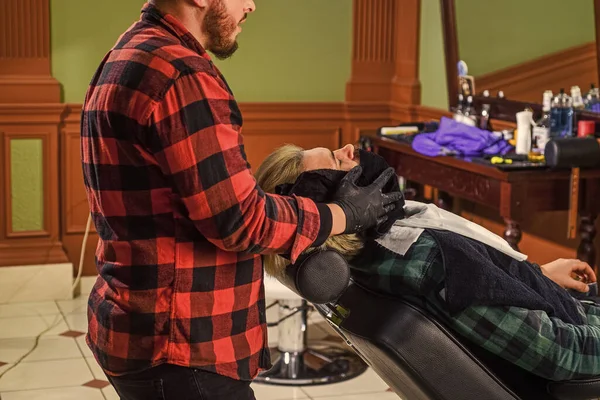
{"type": "Point", "coordinates": [367, 206]}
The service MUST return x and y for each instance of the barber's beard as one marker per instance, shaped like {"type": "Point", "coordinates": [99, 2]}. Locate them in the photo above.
{"type": "Point", "coordinates": [220, 28]}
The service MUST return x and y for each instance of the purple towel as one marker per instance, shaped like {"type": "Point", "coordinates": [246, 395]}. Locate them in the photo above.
{"type": "Point", "coordinates": [454, 138]}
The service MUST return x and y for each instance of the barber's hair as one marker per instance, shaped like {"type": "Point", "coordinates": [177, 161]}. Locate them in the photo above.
{"type": "Point", "coordinates": [284, 165]}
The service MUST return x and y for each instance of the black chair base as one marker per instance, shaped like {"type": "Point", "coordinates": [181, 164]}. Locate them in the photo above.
{"type": "Point", "coordinates": [316, 365]}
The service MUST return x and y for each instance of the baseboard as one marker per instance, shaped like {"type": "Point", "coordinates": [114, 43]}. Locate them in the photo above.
{"type": "Point", "coordinates": [33, 283]}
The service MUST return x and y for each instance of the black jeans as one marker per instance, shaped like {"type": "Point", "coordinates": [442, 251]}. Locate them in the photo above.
{"type": "Point", "coordinates": [171, 382]}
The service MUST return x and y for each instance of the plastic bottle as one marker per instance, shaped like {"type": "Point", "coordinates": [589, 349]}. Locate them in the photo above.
{"type": "Point", "coordinates": [541, 131]}
{"type": "Point", "coordinates": [561, 116]}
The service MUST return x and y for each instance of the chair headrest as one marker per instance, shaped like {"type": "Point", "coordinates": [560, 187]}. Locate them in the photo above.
{"type": "Point", "coordinates": [320, 277]}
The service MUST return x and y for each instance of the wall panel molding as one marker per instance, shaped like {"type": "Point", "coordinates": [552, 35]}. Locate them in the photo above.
{"type": "Point", "coordinates": [25, 75]}
{"type": "Point", "coordinates": [9, 137]}
{"type": "Point", "coordinates": [385, 52]}
{"type": "Point", "coordinates": [74, 208]}
{"type": "Point", "coordinates": [41, 121]}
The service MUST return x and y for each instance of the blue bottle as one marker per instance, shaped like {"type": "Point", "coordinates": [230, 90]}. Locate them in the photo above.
{"type": "Point", "coordinates": [568, 117]}
{"type": "Point", "coordinates": [561, 116]}
{"type": "Point", "coordinates": [556, 116]}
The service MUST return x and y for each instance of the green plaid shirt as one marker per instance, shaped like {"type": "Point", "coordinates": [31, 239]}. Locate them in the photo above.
{"type": "Point", "coordinates": [531, 339]}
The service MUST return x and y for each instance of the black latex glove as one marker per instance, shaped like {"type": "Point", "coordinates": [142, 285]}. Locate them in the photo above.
{"type": "Point", "coordinates": [365, 207]}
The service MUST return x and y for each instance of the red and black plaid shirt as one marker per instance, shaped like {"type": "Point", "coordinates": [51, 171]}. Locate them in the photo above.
{"type": "Point", "coordinates": [180, 218]}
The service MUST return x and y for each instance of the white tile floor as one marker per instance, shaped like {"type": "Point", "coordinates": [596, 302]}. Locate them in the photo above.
{"type": "Point", "coordinates": [63, 368]}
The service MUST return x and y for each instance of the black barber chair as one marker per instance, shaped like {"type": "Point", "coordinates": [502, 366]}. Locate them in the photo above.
{"type": "Point", "coordinates": [412, 352]}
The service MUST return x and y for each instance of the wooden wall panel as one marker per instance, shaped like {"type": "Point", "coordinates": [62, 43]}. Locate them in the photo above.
{"type": "Point", "coordinates": [385, 52]}
{"type": "Point", "coordinates": [270, 125]}
{"type": "Point", "coordinates": [25, 75]}
{"type": "Point", "coordinates": [385, 64]}
{"type": "Point", "coordinates": [11, 136]}
{"type": "Point", "coordinates": [260, 143]}
{"type": "Point", "coordinates": [40, 246]}
{"type": "Point", "coordinates": [74, 204]}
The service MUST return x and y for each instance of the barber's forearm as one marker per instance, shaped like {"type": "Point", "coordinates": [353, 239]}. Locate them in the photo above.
{"type": "Point", "coordinates": [339, 219]}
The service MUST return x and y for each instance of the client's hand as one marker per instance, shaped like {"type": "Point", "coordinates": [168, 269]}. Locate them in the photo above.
{"type": "Point", "coordinates": [564, 272]}
{"type": "Point", "coordinates": [367, 206]}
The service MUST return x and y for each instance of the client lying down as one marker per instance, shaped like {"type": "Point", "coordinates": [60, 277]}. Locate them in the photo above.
{"type": "Point", "coordinates": [465, 275]}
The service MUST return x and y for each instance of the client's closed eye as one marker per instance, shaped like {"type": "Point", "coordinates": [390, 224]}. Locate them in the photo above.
{"type": "Point", "coordinates": [337, 161]}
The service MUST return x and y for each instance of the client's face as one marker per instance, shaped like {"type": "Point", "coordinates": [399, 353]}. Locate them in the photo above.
{"type": "Point", "coordinates": [343, 159]}
{"type": "Point", "coordinates": [324, 169]}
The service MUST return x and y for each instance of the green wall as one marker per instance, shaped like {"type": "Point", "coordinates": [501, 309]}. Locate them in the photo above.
{"type": "Point", "coordinates": [287, 53]}
{"type": "Point", "coordinates": [26, 185]}
{"type": "Point", "coordinates": [496, 34]}
{"type": "Point", "coordinates": [432, 63]}
{"type": "Point", "coordinates": [493, 35]}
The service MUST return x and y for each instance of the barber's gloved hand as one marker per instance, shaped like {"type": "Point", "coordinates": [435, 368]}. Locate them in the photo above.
{"type": "Point", "coordinates": [367, 206]}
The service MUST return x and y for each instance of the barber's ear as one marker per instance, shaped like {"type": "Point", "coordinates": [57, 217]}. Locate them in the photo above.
{"type": "Point", "coordinates": [199, 3]}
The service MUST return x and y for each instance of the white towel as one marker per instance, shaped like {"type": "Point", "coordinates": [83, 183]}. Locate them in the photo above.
{"type": "Point", "coordinates": [419, 216]}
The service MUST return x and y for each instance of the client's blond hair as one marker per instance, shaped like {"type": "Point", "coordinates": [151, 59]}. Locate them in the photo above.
{"type": "Point", "coordinates": [284, 165]}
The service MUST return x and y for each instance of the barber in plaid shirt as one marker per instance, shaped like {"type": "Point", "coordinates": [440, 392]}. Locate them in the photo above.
{"type": "Point", "coordinates": [178, 309]}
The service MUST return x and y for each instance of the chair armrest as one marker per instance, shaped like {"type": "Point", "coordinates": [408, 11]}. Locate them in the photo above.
{"type": "Point", "coordinates": [320, 277]}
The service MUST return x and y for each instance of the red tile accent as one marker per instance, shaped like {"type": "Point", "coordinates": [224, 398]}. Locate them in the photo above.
{"type": "Point", "coordinates": [97, 384]}
{"type": "Point", "coordinates": [72, 334]}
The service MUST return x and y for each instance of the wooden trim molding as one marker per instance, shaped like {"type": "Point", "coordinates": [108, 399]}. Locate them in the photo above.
{"type": "Point", "coordinates": [527, 81]}
{"type": "Point", "coordinates": [424, 113]}
{"type": "Point", "coordinates": [384, 79]}
{"type": "Point", "coordinates": [45, 139]}
{"type": "Point", "coordinates": [25, 75]}
{"type": "Point", "coordinates": [19, 121]}
{"type": "Point", "coordinates": [74, 208]}
{"type": "Point", "coordinates": [385, 52]}
{"type": "Point", "coordinates": [448, 11]}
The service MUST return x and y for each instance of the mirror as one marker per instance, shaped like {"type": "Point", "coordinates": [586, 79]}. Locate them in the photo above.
{"type": "Point", "coordinates": [522, 48]}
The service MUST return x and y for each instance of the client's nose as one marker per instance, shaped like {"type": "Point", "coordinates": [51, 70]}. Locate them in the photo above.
{"type": "Point", "coordinates": [348, 151]}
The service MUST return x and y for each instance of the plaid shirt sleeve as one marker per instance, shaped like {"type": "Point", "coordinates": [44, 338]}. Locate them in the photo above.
{"type": "Point", "coordinates": [545, 346]}
{"type": "Point", "coordinates": [199, 147]}
{"type": "Point", "coordinates": [536, 342]}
